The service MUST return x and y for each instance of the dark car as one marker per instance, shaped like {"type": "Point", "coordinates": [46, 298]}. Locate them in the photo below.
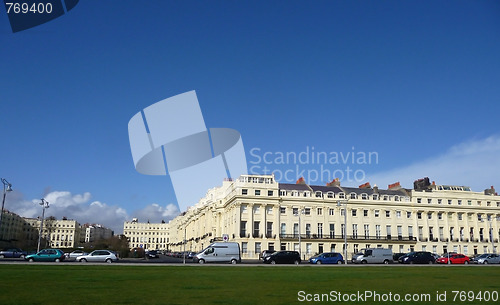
{"type": "Point", "coordinates": [265, 253]}
{"type": "Point", "coordinates": [13, 253]}
{"type": "Point", "coordinates": [152, 254]}
{"type": "Point", "coordinates": [418, 257]}
{"type": "Point", "coordinates": [283, 257]}
{"type": "Point", "coordinates": [327, 258]}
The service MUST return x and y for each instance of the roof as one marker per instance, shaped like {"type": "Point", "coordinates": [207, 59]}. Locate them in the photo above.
{"type": "Point", "coordinates": [294, 187]}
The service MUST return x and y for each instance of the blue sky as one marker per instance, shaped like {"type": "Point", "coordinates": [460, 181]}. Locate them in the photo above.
{"type": "Point", "coordinates": [417, 82]}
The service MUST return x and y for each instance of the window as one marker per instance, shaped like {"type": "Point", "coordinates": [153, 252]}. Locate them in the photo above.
{"type": "Point", "coordinates": [282, 210]}
{"type": "Point", "coordinates": [283, 229]}
{"type": "Point", "coordinates": [318, 194]}
{"type": "Point", "coordinates": [364, 196]}
{"type": "Point", "coordinates": [243, 228]}
{"type": "Point", "coordinates": [244, 192]}
{"type": "Point", "coordinates": [354, 231]}
{"type": "Point", "coordinates": [439, 201]}
{"type": "Point", "coordinates": [354, 212]}
{"type": "Point", "coordinates": [320, 211]}
{"type": "Point", "coordinates": [365, 213]}
{"type": "Point", "coordinates": [398, 214]}
{"type": "Point", "coordinates": [429, 215]}
{"type": "Point", "coordinates": [375, 196]}
{"type": "Point", "coordinates": [282, 193]}
{"type": "Point", "coordinates": [330, 195]}
{"type": "Point", "coordinates": [308, 230]}
{"type": "Point", "coordinates": [459, 201]}
{"type": "Point", "coordinates": [429, 200]}
{"type": "Point", "coordinates": [419, 200]}
{"type": "Point", "coordinates": [460, 216]}
{"type": "Point", "coordinates": [342, 230]}
{"type": "Point", "coordinates": [440, 216]}
{"type": "Point", "coordinates": [256, 228]}
{"type": "Point", "coordinates": [410, 232]}
{"type": "Point", "coordinates": [243, 208]}
{"type": "Point", "coordinates": [331, 212]}
{"type": "Point", "coordinates": [270, 193]}
{"type": "Point", "coordinates": [387, 213]}
{"type": "Point", "coordinates": [257, 192]}
{"type": "Point", "coordinates": [295, 211]}
{"type": "Point", "coordinates": [419, 215]}
{"type": "Point", "coordinates": [388, 230]}
{"type": "Point", "coordinates": [307, 211]}
{"type": "Point", "coordinates": [269, 229]}
{"type": "Point", "coordinates": [354, 196]}
{"type": "Point", "coordinates": [295, 229]}
{"type": "Point", "coordinates": [377, 212]}
{"type": "Point", "coordinates": [377, 231]}
{"type": "Point", "coordinates": [332, 230]}
{"type": "Point", "coordinates": [400, 232]}
{"type": "Point", "coordinates": [244, 247]}
{"type": "Point", "coordinates": [320, 230]}
{"type": "Point", "coordinates": [386, 197]}
{"type": "Point", "coordinates": [469, 202]}
{"type": "Point", "coordinates": [258, 247]}
{"type": "Point", "coordinates": [449, 201]}
{"type": "Point", "coordinates": [308, 248]}
{"type": "Point", "coordinates": [408, 214]}
{"type": "Point", "coordinates": [367, 231]}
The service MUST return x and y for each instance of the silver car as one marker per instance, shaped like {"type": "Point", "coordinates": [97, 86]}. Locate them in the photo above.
{"type": "Point", "coordinates": [489, 259]}
{"type": "Point", "coordinates": [98, 256]}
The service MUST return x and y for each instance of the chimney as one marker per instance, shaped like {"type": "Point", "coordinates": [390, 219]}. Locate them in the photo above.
{"type": "Point", "coordinates": [365, 185]}
{"type": "Point", "coordinates": [300, 181]}
{"type": "Point", "coordinates": [375, 188]}
{"type": "Point", "coordinates": [394, 186]}
{"type": "Point", "coordinates": [335, 182]}
{"type": "Point", "coordinates": [490, 191]}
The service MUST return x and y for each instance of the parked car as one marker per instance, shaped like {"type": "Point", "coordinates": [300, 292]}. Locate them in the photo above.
{"type": "Point", "coordinates": [98, 256]}
{"type": "Point", "coordinates": [75, 254]}
{"type": "Point", "coordinates": [283, 257]}
{"type": "Point", "coordinates": [418, 257]}
{"type": "Point", "coordinates": [46, 255]}
{"type": "Point", "coordinates": [13, 253]}
{"type": "Point", "coordinates": [454, 259]}
{"type": "Point", "coordinates": [489, 259]}
{"type": "Point", "coordinates": [327, 258]}
{"type": "Point", "coordinates": [265, 253]}
{"type": "Point", "coordinates": [152, 254]}
{"type": "Point", "coordinates": [219, 252]}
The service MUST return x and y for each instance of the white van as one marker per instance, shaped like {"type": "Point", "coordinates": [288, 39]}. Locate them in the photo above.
{"type": "Point", "coordinates": [374, 256]}
{"type": "Point", "coordinates": [220, 253]}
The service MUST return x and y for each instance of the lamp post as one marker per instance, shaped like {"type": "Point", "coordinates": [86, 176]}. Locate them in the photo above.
{"type": "Point", "coordinates": [339, 203]}
{"type": "Point", "coordinates": [299, 211]}
{"type": "Point", "coordinates": [45, 205]}
{"type": "Point", "coordinates": [490, 230]}
{"type": "Point", "coordinates": [7, 187]}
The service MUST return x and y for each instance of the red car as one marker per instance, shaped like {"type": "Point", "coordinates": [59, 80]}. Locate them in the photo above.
{"type": "Point", "coordinates": [454, 259]}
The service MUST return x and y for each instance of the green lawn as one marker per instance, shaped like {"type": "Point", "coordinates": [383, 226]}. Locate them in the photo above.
{"type": "Point", "coordinates": [118, 284]}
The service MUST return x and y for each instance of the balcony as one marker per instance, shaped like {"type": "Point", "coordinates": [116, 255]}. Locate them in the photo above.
{"type": "Point", "coordinates": [358, 238]}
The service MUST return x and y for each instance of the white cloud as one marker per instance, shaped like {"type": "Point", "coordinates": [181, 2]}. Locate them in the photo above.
{"type": "Point", "coordinates": [474, 163]}
{"type": "Point", "coordinates": [156, 213]}
{"type": "Point", "coordinates": [77, 207]}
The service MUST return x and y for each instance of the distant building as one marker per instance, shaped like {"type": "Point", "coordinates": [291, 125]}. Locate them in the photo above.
{"type": "Point", "coordinates": [16, 230]}
{"type": "Point", "coordinates": [146, 235]}
{"type": "Point", "coordinates": [63, 233]}
{"type": "Point", "coordinates": [95, 232]}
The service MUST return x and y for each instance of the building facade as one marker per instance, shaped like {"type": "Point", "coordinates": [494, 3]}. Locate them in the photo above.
{"type": "Point", "coordinates": [95, 232]}
{"type": "Point", "coordinates": [149, 236]}
{"type": "Point", "coordinates": [260, 214]}
{"type": "Point", "coordinates": [63, 233]}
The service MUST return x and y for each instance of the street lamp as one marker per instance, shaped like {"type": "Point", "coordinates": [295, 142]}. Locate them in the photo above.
{"type": "Point", "coordinates": [339, 203]}
{"type": "Point", "coordinates": [45, 205]}
{"type": "Point", "coordinates": [490, 230]}
{"type": "Point", "coordinates": [7, 187]}
{"type": "Point", "coordinates": [300, 211]}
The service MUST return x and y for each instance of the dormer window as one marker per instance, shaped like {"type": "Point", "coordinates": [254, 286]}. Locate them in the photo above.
{"type": "Point", "coordinates": [341, 195]}
{"type": "Point", "coordinates": [364, 196]}
{"type": "Point", "coordinates": [330, 195]}
{"type": "Point", "coordinates": [375, 196]}
{"type": "Point", "coordinates": [319, 194]}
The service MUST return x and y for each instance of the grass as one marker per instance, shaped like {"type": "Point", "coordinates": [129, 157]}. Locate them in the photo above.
{"type": "Point", "coordinates": [121, 284]}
